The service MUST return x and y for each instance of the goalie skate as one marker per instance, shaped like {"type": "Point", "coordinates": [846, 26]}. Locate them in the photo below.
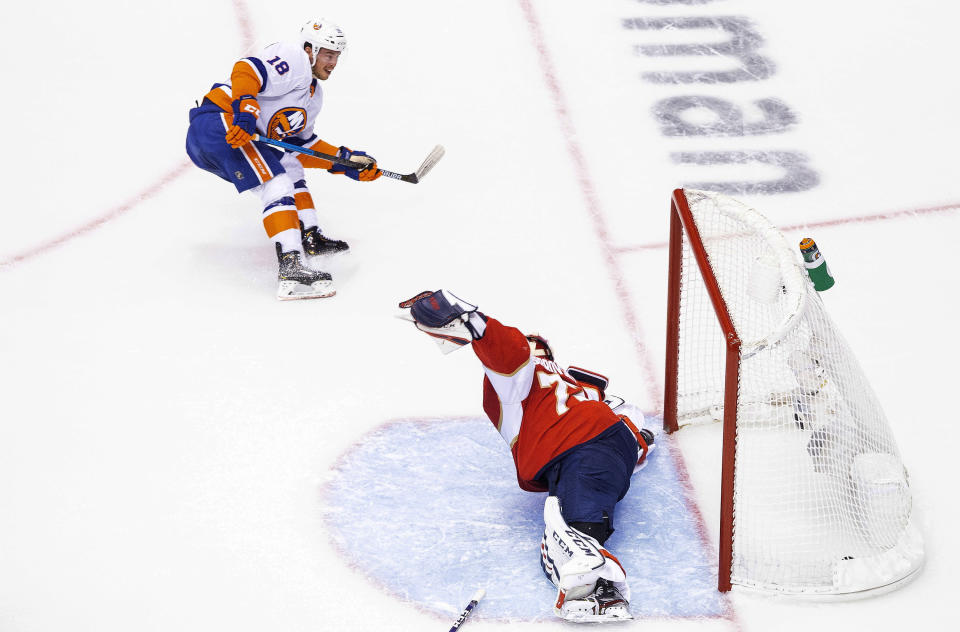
{"type": "Point", "coordinates": [604, 605]}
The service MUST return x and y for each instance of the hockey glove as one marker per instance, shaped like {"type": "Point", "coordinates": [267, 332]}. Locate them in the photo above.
{"type": "Point", "coordinates": [449, 320]}
{"type": "Point", "coordinates": [245, 113]}
{"type": "Point", "coordinates": [367, 173]}
{"type": "Point", "coordinates": [436, 309]}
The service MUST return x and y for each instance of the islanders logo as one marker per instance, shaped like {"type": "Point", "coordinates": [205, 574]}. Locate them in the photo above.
{"type": "Point", "coordinates": [287, 122]}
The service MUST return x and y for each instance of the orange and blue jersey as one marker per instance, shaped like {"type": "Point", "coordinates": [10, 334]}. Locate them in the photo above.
{"type": "Point", "coordinates": [280, 78]}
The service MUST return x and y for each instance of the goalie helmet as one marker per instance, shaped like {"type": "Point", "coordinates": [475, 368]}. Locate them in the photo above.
{"type": "Point", "coordinates": [322, 33]}
{"type": "Point", "coordinates": [539, 347]}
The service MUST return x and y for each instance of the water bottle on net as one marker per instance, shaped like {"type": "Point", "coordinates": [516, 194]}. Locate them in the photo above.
{"type": "Point", "coordinates": [816, 265]}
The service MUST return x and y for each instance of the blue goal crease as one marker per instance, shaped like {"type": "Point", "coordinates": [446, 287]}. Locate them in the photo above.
{"type": "Point", "coordinates": [458, 522]}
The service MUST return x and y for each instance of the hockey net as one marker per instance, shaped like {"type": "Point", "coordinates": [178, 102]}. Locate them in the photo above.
{"type": "Point", "coordinates": [815, 498]}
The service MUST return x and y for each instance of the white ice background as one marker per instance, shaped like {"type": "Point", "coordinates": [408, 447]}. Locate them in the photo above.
{"type": "Point", "coordinates": [168, 428]}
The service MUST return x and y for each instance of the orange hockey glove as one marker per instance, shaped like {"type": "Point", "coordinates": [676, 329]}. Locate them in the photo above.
{"type": "Point", "coordinates": [245, 113]}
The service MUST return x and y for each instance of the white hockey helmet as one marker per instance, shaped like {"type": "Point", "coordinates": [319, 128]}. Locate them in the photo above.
{"type": "Point", "coordinates": [322, 33]}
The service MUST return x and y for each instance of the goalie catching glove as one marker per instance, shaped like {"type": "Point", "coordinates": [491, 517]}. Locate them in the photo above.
{"type": "Point", "coordinates": [448, 319]}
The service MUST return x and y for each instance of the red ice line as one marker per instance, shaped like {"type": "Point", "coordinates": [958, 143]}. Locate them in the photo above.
{"type": "Point", "coordinates": [594, 209]}
{"type": "Point", "coordinates": [246, 36]}
{"type": "Point", "coordinates": [612, 253]}
{"type": "Point", "coordinates": [615, 271]}
{"type": "Point", "coordinates": [857, 219]}
{"type": "Point", "coordinates": [112, 214]}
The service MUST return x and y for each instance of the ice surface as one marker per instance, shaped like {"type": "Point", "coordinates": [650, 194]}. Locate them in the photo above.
{"type": "Point", "coordinates": [169, 432]}
{"type": "Point", "coordinates": [430, 509]}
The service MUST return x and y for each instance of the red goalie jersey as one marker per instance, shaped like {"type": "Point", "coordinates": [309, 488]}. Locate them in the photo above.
{"type": "Point", "coordinates": [535, 405]}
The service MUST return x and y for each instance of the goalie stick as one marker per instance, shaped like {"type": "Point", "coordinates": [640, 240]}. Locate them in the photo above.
{"type": "Point", "coordinates": [432, 159]}
{"type": "Point", "coordinates": [466, 611]}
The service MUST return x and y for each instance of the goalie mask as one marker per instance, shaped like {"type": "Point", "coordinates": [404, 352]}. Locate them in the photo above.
{"type": "Point", "coordinates": [539, 347]}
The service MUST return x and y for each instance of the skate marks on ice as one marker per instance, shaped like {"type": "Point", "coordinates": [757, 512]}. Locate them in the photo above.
{"type": "Point", "coordinates": [429, 510]}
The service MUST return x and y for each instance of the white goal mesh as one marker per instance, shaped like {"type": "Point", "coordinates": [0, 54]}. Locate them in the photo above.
{"type": "Point", "coordinates": [821, 502]}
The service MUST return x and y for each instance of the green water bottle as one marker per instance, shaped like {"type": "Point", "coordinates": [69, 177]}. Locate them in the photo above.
{"type": "Point", "coordinates": [816, 265]}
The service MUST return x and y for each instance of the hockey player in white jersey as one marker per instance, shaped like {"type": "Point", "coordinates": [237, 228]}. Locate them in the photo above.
{"type": "Point", "coordinates": [277, 94]}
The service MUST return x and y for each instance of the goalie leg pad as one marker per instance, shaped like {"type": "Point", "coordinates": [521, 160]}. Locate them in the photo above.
{"type": "Point", "coordinates": [572, 560]}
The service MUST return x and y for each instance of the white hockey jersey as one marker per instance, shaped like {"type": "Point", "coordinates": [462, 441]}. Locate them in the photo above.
{"type": "Point", "coordinates": [290, 97]}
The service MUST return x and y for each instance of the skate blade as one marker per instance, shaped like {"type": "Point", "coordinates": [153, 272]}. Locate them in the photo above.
{"type": "Point", "coordinates": [291, 290]}
{"type": "Point", "coordinates": [586, 617]}
{"type": "Point", "coordinates": [329, 255]}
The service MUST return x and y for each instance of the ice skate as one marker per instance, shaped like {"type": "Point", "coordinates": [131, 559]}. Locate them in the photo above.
{"type": "Point", "coordinates": [315, 243]}
{"type": "Point", "coordinates": [605, 604]}
{"type": "Point", "coordinates": [299, 281]}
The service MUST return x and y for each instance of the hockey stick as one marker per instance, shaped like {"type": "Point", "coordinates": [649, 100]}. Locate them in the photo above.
{"type": "Point", "coordinates": [466, 611]}
{"type": "Point", "coordinates": [432, 158]}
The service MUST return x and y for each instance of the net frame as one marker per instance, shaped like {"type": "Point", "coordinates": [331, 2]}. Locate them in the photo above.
{"type": "Point", "coordinates": [880, 567]}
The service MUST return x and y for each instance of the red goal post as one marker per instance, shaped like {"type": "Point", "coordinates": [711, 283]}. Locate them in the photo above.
{"type": "Point", "coordinates": [814, 497]}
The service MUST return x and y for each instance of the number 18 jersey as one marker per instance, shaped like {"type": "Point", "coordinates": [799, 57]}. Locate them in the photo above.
{"type": "Point", "coordinates": [290, 97]}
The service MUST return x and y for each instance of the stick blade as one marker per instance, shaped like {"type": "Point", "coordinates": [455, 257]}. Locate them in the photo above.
{"type": "Point", "coordinates": [430, 161]}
